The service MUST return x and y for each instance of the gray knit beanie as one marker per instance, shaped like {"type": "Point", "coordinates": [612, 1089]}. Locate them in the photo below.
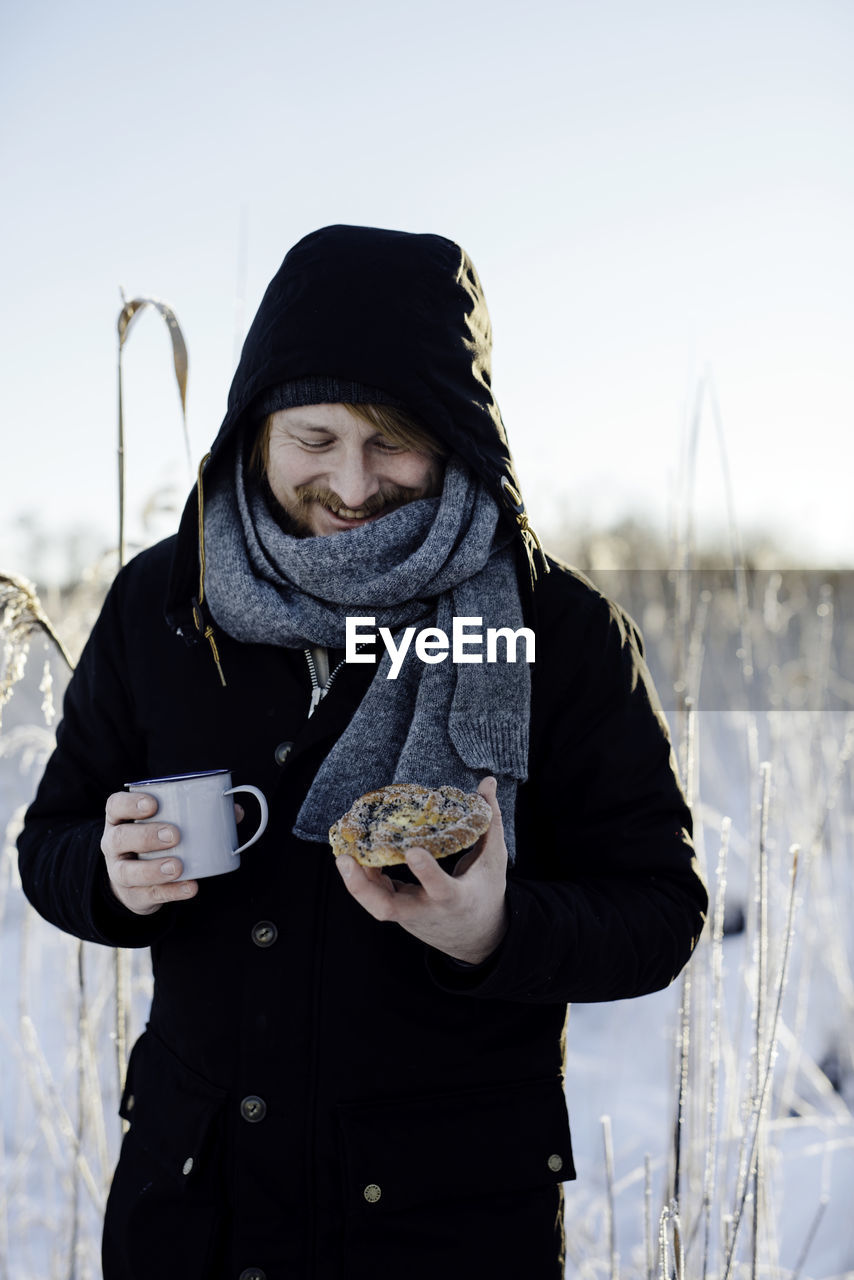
{"type": "Point", "coordinates": [319, 389]}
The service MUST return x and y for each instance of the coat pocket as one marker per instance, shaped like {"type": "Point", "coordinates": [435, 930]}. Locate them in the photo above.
{"type": "Point", "coordinates": [457, 1184]}
{"type": "Point", "coordinates": [476, 1142]}
{"type": "Point", "coordinates": [165, 1208]}
{"type": "Point", "coordinates": [171, 1109]}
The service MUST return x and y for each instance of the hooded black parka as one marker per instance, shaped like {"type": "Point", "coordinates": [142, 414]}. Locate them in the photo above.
{"type": "Point", "coordinates": [319, 1095]}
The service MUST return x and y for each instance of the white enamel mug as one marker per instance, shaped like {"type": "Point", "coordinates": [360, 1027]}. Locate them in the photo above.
{"type": "Point", "coordinates": [200, 806]}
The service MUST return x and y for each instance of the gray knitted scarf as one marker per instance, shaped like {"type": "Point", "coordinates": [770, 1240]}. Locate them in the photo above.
{"type": "Point", "coordinates": [424, 563]}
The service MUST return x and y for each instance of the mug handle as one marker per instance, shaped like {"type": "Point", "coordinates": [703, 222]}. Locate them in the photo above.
{"type": "Point", "coordinates": [265, 814]}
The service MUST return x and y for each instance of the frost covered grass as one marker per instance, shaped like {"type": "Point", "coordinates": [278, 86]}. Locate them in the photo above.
{"type": "Point", "coordinates": [727, 1143]}
{"type": "Point", "coordinates": [730, 1095]}
{"type": "Point", "coordinates": [59, 1076]}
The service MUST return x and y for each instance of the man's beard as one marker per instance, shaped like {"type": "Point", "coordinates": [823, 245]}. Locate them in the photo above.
{"type": "Point", "coordinates": [295, 519]}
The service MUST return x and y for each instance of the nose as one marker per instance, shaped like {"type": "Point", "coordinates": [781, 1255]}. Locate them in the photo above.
{"type": "Point", "coordinates": [354, 478]}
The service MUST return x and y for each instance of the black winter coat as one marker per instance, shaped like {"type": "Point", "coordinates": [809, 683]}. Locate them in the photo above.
{"type": "Point", "coordinates": [318, 1094]}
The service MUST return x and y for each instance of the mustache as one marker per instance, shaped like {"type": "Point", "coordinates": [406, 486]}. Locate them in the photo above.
{"type": "Point", "coordinates": [385, 499]}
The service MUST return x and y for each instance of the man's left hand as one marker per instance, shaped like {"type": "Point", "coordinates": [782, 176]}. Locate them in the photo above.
{"type": "Point", "coordinates": [464, 914]}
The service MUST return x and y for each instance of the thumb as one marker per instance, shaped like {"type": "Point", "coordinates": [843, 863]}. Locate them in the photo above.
{"type": "Point", "coordinates": [488, 788]}
{"type": "Point", "coordinates": [489, 847]}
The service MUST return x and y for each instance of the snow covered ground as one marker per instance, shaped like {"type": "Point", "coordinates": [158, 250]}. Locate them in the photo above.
{"type": "Point", "coordinates": [793, 710]}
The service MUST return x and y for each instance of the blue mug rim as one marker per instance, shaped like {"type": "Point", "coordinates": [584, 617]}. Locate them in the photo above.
{"type": "Point", "coordinates": [177, 777]}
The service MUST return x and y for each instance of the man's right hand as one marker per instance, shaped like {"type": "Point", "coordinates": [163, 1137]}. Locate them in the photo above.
{"type": "Point", "coordinates": [141, 885]}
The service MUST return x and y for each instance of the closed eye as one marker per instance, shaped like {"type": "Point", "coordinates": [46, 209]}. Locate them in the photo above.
{"type": "Point", "coordinates": [388, 446]}
{"type": "Point", "coordinates": [315, 444]}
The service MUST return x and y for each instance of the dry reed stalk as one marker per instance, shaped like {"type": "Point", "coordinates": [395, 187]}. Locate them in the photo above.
{"type": "Point", "coordinates": [663, 1250]}
{"type": "Point", "coordinates": [683, 1059]}
{"type": "Point", "coordinates": [52, 1110]}
{"type": "Point", "coordinates": [611, 1215]}
{"type": "Point", "coordinates": [121, 979]}
{"type": "Point", "coordinates": [736, 547]}
{"type": "Point", "coordinates": [683, 1043]}
{"type": "Point", "coordinates": [4, 1194]}
{"type": "Point", "coordinates": [752, 1129]}
{"type": "Point", "coordinates": [671, 1260]}
{"type": "Point", "coordinates": [696, 647]}
{"type": "Point", "coordinates": [92, 1094]}
{"type": "Point", "coordinates": [647, 1218]}
{"type": "Point", "coordinates": [126, 318]}
{"type": "Point", "coordinates": [842, 967]}
{"type": "Point", "coordinates": [706, 393]}
{"type": "Point", "coordinates": [21, 617]}
{"type": "Point", "coordinates": [81, 1104]}
{"type": "Point", "coordinates": [761, 970]}
{"type": "Point", "coordinates": [810, 1237]}
{"type": "Point", "coordinates": [710, 1171]}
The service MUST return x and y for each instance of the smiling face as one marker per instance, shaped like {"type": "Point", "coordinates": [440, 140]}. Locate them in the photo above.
{"type": "Point", "coordinates": [332, 471]}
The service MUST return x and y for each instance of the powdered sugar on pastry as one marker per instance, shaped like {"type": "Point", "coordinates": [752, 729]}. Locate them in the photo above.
{"type": "Point", "coordinates": [381, 825]}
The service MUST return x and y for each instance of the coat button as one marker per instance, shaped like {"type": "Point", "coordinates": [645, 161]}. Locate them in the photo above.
{"type": "Point", "coordinates": [555, 1163]}
{"type": "Point", "coordinates": [253, 1273]}
{"type": "Point", "coordinates": [253, 1108]}
{"type": "Point", "coordinates": [188, 1166]}
{"type": "Point", "coordinates": [283, 750]}
{"type": "Point", "coordinates": [264, 933]}
{"type": "Point", "coordinates": [372, 1193]}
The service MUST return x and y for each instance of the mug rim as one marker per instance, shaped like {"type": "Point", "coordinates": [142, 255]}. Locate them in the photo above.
{"type": "Point", "coordinates": [177, 777]}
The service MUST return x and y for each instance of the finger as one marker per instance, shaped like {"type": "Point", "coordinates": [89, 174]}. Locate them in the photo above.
{"type": "Point", "coordinates": [349, 867]}
{"type": "Point", "coordinates": [146, 900]}
{"type": "Point", "coordinates": [494, 838]}
{"type": "Point", "coordinates": [124, 806]}
{"type": "Point", "coordinates": [490, 849]}
{"type": "Point", "coordinates": [133, 873]}
{"type": "Point", "coordinates": [376, 893]}
{"type": "Point", "coordinates": [468, 858]}
{"type": "Point", "coordinates": [376, 875]}
{"type": "Point", "coordinates": [488, 788]}
{"type": "Point", "coordinates": [239, 813]}
{"type": "Point", "coordinates": [173, 892]}
{"type": "Point", "coordinates": [130, 838]}
{"type": "Point", "coordinates": [435, 882]}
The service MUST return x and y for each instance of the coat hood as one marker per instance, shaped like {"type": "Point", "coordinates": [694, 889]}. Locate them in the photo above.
{"type": "Point", "coordinates": [398, 311]}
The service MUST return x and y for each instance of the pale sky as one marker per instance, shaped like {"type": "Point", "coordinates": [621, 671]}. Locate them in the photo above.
{"type": "Point", "coordinates": [647, 189]}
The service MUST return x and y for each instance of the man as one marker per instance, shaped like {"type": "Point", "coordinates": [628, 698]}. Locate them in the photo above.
{"type": "Point", "coordinates": [346, 1074]}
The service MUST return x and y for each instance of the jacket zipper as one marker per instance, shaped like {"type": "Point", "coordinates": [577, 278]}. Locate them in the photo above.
{"type": "Point", "coordinates": [318, 691]}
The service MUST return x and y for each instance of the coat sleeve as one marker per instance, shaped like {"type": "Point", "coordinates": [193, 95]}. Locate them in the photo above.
{"type": "Point", "coordinates": [606, 901]}
{"type": "Point", "coordinates": [63, 872]}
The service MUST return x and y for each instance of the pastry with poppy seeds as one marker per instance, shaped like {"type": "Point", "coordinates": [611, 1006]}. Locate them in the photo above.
{"type": "Point", "coordinates": [380, 826]}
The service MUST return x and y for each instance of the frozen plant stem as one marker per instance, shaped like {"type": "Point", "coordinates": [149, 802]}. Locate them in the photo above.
{"type": "Point", "coordinates": [52, 1113]}
{"type": "Point", "coordinates": [811, 1234]}
{"type": "Point", "coordinates": [710, 1170]}
{"type": "Point", "coordinates": [669, 1214]}
{"type": "Point", "coordinates": [609, 1185]}
{"type": "Point", "coordinates": [683, 1060]}
{"type": "Point", "coordinates": [761, 980]}
{"type": "Point", "coordinates": [647, 1218]}
{"type": "Point", "coordinates": [760, 906]}
{"type": "Point", "coordinates": [684, 1041]}
{"type": "Point", "coordinates": [754, 1121]}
